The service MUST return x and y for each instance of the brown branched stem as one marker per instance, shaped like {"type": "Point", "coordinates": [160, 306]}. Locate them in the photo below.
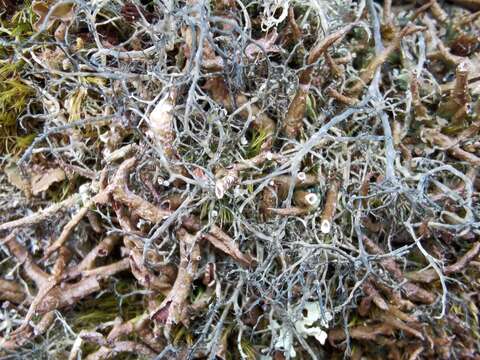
{"type": "Point", "coordinates": [245, 108]}
{"type": "Point", "coordinates": [32, 270]}
{"type": "Point", "coordinates": [319, 49]}
{"type": "Point", "coordinates": [44, 283]}
{"type": "Point", "coordinates": [469, 132]}
{"type": "Point", "coordinates": [111, 349]}
{"type": "Point", "coordinates": [416, 353]}
{"type": "Point", "coordinates": [122, 153]}
{"type": "Point", "coordinates": [68, 294]}
{"type": "Point", "coordinates": [61, 262]}
{"type": "Point", "coordinates": [126, 328]}
{"type": "Point", "coordinates": [72, 224]}
{"type": "Point", "coordinates": [219, 239]}
{"type": "Point", "coordinates": [25, 335]}
{"type": "Point", "coordinates": [400, 325]}
{"type": "Point", "coordinates": [293, 122]}
{"type": "Point", "coordinates": [335, 69]}
{"type": "Point", "coordinates": [148, 211]}
{"type": "Point", "coordinates": [63, 258]}
{"type": "Point", "coordinates": [469, 4]}
{"type": "Point", "coordinates": [291, 211]}
{"type": "Point", "coordinates": [387, 13]}
{"type": "Point", "coordinates": [360, 332]}
{"type": "Point", "coordinates": [460, 92]}
{"type": "Point", "coordinates": [94, 222]}
{"type": "Point", "coordinates": [105, 272]}
{"type": "Point", "coordinates": [138, 205]}
{"type": "Point", "coordinates": [301, 181]}
{"type": "Point", "coordinates": [134, 250]}
{"type": "Point", "coordinates": [330, 206]}
{"type": "Point", "coordinates": [50, 295]}
{"type": "Point", "coordinates": [269, 200]}
{"type": "Point", "coordinates": [305, 199]}
{"type": "Point", "coordinates": [457, 104]}
{"type": "Point", "coordinates": [232, 175]}
{"type": "Point", "coordinates": [446, 143]}
{"type": "Point", "coordinates": [429, 275]}
{"type": "Point", "coordinates": [41, 215]}
{"type": "Point", "coordinates": [469, 19]}
{"type": "Point", "coordinates": [164, 88]}
{"type": "Point", "coordinates": [103, 249]}
{"type": "Point", "coordinates": [340, 97]}
{"type": "Point", "coordinates": [295, 29]}
{"type": "Point", "coordinates": [143, 275]}
{"type": "Point", "coordinates": [421, 10]}
{"type": "Point", "coordinates": [367, 74]}
{"type": "Point", "coordinates": [437, 11]}
{"type": "Point", "coordinates": [124, 347]}
{"type": "Point", "coordinates": [443, 52]}
{"type": "Point", "coordinates": [172, 310]}
{"type": "Point", "coordinates": [412, 291]}
{"type": "Point", "coordinates": [419, 109]}
{"type": "Point", "coordinates": [11, 291]}
{"type": "Point", "coordinates": [375, 296]}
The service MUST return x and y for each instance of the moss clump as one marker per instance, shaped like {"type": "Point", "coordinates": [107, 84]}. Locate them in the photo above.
{"type": "Point", "coordinates": [107, 306]}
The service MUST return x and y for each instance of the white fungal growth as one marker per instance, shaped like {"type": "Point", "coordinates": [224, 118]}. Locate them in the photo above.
{"type": "Point", "coordinates": [325, 226]}
{"type": "Point", "coordinates": [270, 13]}
{"type": "Point", "coordinates": [301, 176]}
{"type": "Point", "coordinates": [313, 323]}
{"type": "Point", "coordinates": [219, 191]}
{"type": "Point", "coordinates": [312, 199]}
{"type": "Point", "coordinates": [313, 314]}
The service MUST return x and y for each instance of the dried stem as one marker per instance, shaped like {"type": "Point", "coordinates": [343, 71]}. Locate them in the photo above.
{"type": "Point", "coordinates": [429, 275]}
{"type": "Point", "coordinates": [172, 309]}
{"type": "Point", "coordinates": [11, 291]}
{"type": "Point", "coordinates": [293, 123]}
{"type": "Point", "coordinates": [330, 206]}
{"type": "Point", "coordinates": [367, 74]}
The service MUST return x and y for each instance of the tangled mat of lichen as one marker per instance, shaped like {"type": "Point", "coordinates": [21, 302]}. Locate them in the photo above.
{"type": "Point", "coordinates": [239, 179]}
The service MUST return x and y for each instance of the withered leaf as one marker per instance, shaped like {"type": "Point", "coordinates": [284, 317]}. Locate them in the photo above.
{"type": "Point", "coordinates": [42, 181]}
{"type": "Point", "coordinates": [16, 178]}
{"type": "Point", "coordinates": [161, 315]}
{"type": "Point", "coordinates": [63, 12]}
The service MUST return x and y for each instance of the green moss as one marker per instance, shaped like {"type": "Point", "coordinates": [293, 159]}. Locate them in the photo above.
{"type": "Point", "coordinates": [7, 119]}
{"type": "Point", "coordinates": [255, 145]}
{"type": "Point", "coordinates": [14, 96]}
{"type": "Point", "coordinates": [225, 215]}
{"type": "Point", "coordinates": [248, 349]}
{"type": "Point", "coordinates": [310, 109]}
{"type": "Point", "coordinates": [14, 92]}
{"type": "Point", "coordinates": [20, 26]}
{"type": "Point", "coordinates": [106, 307]}
{"type": "Point", "coordinates": [24, 142]}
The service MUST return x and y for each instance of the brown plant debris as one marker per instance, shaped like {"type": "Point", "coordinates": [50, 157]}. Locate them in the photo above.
{"type": "Point", "coordinates": [239, 179]}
